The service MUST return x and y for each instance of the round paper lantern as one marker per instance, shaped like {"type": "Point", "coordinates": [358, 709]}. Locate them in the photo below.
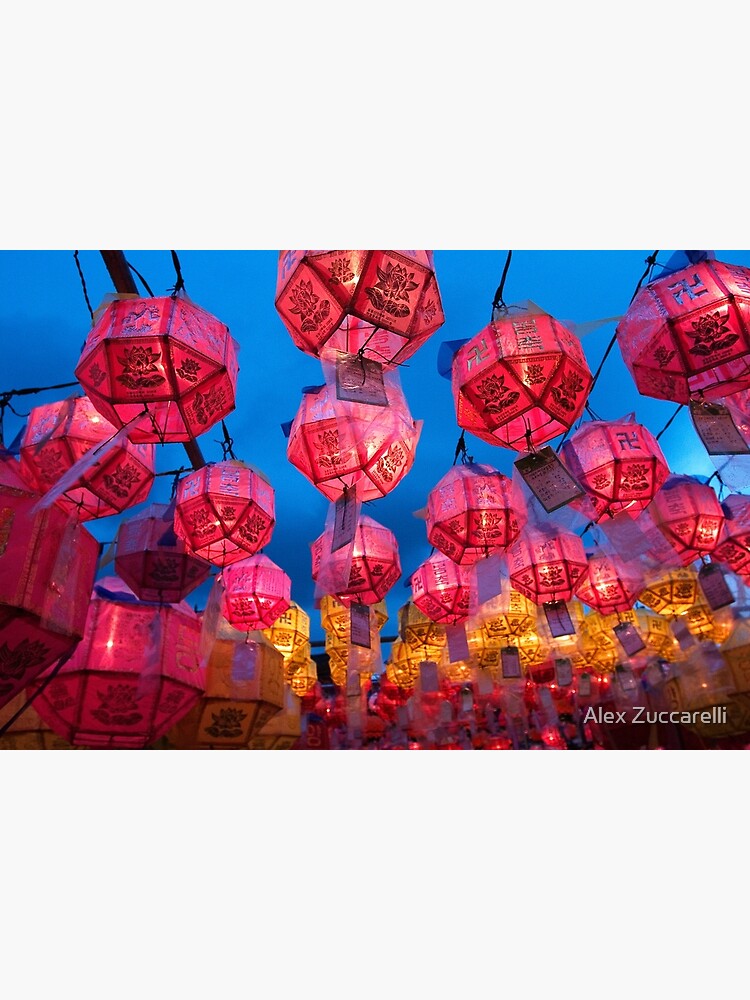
{"type": "Point", "coordinates": [153, 561]}
{"type": "Point", "coordinates": [598, 649]}
{"type": "Point", "coordinates": [255, 592]}
{"type": "Point", "coordinates": [47, 568]}
{"type": "Point", "coordinates": [672, 594]}
{"type": "Point", "coordinates": [424, 637]}
{"type": "Point", "coordinates": [335, 617]}
{"type": "Point", "coordinates": [708, 625]}
{"type": "Point", "coordinates": [319, 293]}
{"type": "Point", "coordinates": [653, 629]}
{"type": "Point", "coordinates": [618, 463]}
{"type": "Point", "coordinates": [547, 565]}
{"type": "Point", "coordinates": [374, 566]}
{"type": "Point", "coordinates": [689, 515]}
{"type": "Point", "coordinates": [290, 633]}
{"type": "Point", "coordinates": [225, 511]}
{"type": "Point", "coordinates": [134, 673]}
{"type": "Point", "coordinates": [733, 547]}
{"type": "Point", "coordinates": [473, 511]}
{"type": "Point", "coordinates": [520, 381]}
{"type": "Point", "coordinates": [441, 589]}
{"type": "Point", "coordinates": [402, 666]}
{"type": "Point", "coordinates": [687, 335]}
{"type": "Point", "coordinates": [338, 444]}
{"type": "Point", "coordinates": [58, 435]}
{"type": "Point", "coordinates": [304, 678]}
{"type": "Point", "coordinates": [611, 584]}
{"type": "Point", "coordinates": [163, 354]}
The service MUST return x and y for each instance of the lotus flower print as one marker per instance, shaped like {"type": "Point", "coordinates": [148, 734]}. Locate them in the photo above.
{"type": "Point", "coordinates": [711, 334]}
{"type": "Point", "coordinates": [139, 370]}
{"type": "Point", "coordinates": [309, 306]}
{"type": "Point", "coordinates": [391, 292]}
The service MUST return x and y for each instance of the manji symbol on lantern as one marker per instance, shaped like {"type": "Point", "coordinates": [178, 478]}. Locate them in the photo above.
{"type": "Point", "coordinates": [688, 334]}
{"type": "Point", "coordinates": [166, 354]}
{"type": "Point", "coordinates": [394, 293]}
{"type": "Point", "coordinates": [520, 381]}
{"type": "Point", "coordinates": [225, 511]}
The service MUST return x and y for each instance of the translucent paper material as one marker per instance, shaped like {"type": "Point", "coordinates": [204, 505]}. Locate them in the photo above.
{"type": "Point", "coordinates": [688, 334]}
{"type": "Point", "coordinates": [336, 443]}
{"type": "Point", "coordinates": [225, 511]}
{"type": "Point", "coordinates": [441, 589]}
{"type": "Point", "coordinates": [520, 381]}
{"type": "Point", "coordinates": [57, 438]}
{"type": "Point", "coordinates": [689, 515]}
{"type": "Point", "coordinates": [473, 511]}
{"type": "Point", "coordinates": [612, 584]}
{"type": "Point", "coordinates": [335, 618]}
{"type": "Point", "coordinates": [547, 565]}
{"type": "Point", "coordinates": [166, 353]}
{"type": "Point", "coordinates": [153, 561]}
{"type": "Point", "coordinates": [28, 732]}
{"type": "Point", "coordinates": [290, 633]}
{"type": "Point", "coordinates": [134, 673]}
{"type": "Point", "coordinates": [423, 636]}
{"type": "Point", "coordinates": [672, 593]}
{"type": "Point", "coordinates": [255, 592]}
{"type": "Point", "coordinates": [733, 548]}
{"type": "Point", "coordinates": [283, 730]}
{"type": "Point", "coordinates": [374, 568]}
{"type": "Point", "coordinates": [618, 463]}
{"type": "Point", "coordinates": [322, 294]}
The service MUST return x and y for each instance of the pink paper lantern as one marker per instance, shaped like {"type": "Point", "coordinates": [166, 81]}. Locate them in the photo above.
{"type": "Point", "coordinates": [134, 674]}
{"type": "Point", "coordinates": [733, 547]}
{"type": "Point", "coordinates": [59, 435]}
{"type": "Point", "coordinates": [618, 463]}
{"type": "Point", "coordinates": [165, 354]}
{"type": "Point", "coordinates": [372, 561]}
{"type": "Point", "coordinates": [225, 511]}
{"type": "Point", "coordinates": [322, 294]}
{"type": "Point", "coordinates": [520, 381]}
{"type": "Point", "coordinates": [153, 561]}
{"type": "Point", "coordinates": [688, 334]}
{"type": "Point", "coordinates": [441, 589]}
{"type": "Point", "coordinates": [473, 511]}
{"type": "Point", "coordinates": [611, 584]}
{"type": "Point", "coordinates": [547, 566]}
{"type": "Point", "coordinates": [256, 593]}
{"type": "Point", "coordinates": [336, 443]}
{"type": "Point", "coordinates": [689, 515]}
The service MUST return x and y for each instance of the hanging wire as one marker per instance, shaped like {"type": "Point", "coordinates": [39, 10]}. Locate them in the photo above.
{"type": "Point", "coordinates": [680, 406]}
{"type": "Point", "coordinates": [49, 677]}
{"type": "Point", "coordinates": [83, 285]}
{"type": "Point", "coordinates": [141, 279]}
{"type": "Point", "coordinates": [227, 444]}
{"type": "Point", "coordinates": [498, 302]}
{"type": "Point", "coordinates": [461, 451]}
{"type": "Point", "coordinates": [179, 282]}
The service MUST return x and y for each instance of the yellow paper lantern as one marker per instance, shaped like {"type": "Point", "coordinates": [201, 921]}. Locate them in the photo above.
{"type": "Point", "coordinates": [674, 593]}
{"type": "Point", "coordinates": [290, 633]}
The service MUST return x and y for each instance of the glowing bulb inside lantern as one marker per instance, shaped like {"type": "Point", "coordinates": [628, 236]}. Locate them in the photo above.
{"type": "Point", "coordinates": [110, 643]}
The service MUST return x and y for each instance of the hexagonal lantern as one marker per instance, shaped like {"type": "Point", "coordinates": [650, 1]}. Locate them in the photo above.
{"type": "Point", "coordinates": [618, 463]}
{"type": "Point", "coordinates": [374, 567]}
{"type": "Point", "coordinates": [290, 633]}
{"type": "Point", "coordinates": [255, 592]}
{"type": "Point", "coordinates": [165, 355]}
{"type": "Point", "coordinates": [283, 730]}
{"type": "Point", "coordinates": [520, 381]}
{"type": "Point", "coordinates": [688, 334]}
{"type": "Point", "coordinates": [547, 565]}
{"type": "Point", "coordinates": [473, 511]}
{"type": "Point", "coordinates": [424, 637]}
{"type": "Point", "coordinates": [336, 443]}
{"type": "Point", "coordinates": [320, 294]}
{"type": "Point", "coordinates": [689, 515]}
{"type": "Point", "coordinates": [225, 511]}
{"type": "Point", "coordinates": [733, 548]}
{"type": "Point", "coordinates": [673, 593]}
{"type": "Point", "coordinates": [304, 678]}
{"type": "Point", "coordinates": [441, 589]}
{"type": "Point", "coordinates": [335, 617]}
{"type": "Point", "coordinates": [58, 435]}
{"type": "Point", "coordinates": [612, 584]}
{"type": "Point", "coordinates": [153, 561]}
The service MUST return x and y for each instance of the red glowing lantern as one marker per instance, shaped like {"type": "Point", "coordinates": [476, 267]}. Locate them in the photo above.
{"type": "Point", "coordinates": [688, 334]}
{"type": "Point", "coordinates": [337, 443]}
{"type": "Point", "coordinates": [520, 381]}
{"type": "Point", "coordinates": [611, 584]}
{"type": "Point", "coordinates": [165, 355]}
{"type": "Point", "coordinates": [256, 592]}
{"type": "Point", "coordinates": [47, 568]}
{"type": "Point", "coordinates": [58, 436]}
{"type": "Point", "coordinates": [225, 511]}
{"type": "Point", "coordinates": [441, 589]}
{"type": "Point", "coordinates": [547, 565]}
{"type": "Point", "coordinates": [618, 463]}
{"type": "Point", "coordinates": [474, 511]}
{"type": "Point", "coordinates": [733, 547]}
{"type": "Point", "coordinates": [320, 295]}
{"type": "Point", "coordinates": [689, 515]}
{"type": "Point", "coordinates": [153, 561]}
{"type": "Point", "coordinates": [366, 571]}
{"type": "Point", "coordinates": [133, 675]}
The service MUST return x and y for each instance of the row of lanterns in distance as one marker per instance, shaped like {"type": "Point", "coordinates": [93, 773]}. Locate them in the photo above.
{"type": "Point", "coordinates": [158, 370]}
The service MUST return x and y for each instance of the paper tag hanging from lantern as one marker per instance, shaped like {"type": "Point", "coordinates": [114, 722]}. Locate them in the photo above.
{"type": "Point", "coordinates": [359, 623]}
{"type": "Point", "coordinates": [458, 645]}
{"type": "Point", "coordinates": [488, 575]}
{"type": "Point", "coordinates": [629, 638]}
{"type": "Point", "coordinates": [682, 634]}
{"type": "Point", "coordinates": [360, 380]}
{"type": "Point", "coordinates": [714, 586]}
{"type": "Point", "coordinates": [511, 662]}
{"type": "Point", "coordinates": [717, 430]}
{"type": "Point", "coordinates": [548, 479]}
{"type": "Point", "coordinates": [563, 671]}
{"type": "Point", "coordinates": [558, 619]}
{"type": "Point", "coordinates": [584, 686]}
{"type": "Point", "coordinates": [345, 517]}
{"type": "Point", "coordinates": [428, 677]}
{"type": "Point", "coordinates": [626, 678]}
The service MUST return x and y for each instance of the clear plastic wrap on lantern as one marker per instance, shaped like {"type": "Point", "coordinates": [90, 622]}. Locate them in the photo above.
{"type": "Point", "coordinates": [133, 675]}
{"type": "Point", "coordinates": [255, 592]}
{"type": "Point", "coordinates": [547, 564]}
{"type": "Point", "coordinates": [473, 511]}
{"type": "Point", "coordinates": [290, 633]}
{"type": "Point", "coordinates": [338, 444]}
{"type": "Point", "coordinates": [166, 355]}
{"type": "Point", "coordinates": [705, 683]}
{"type": "Point", "coordinates": [733, 547]}
{"type": "Point", "coordinates": [47, 568]}
{"type": "Point", "coordinates": [304, 678]}
{"type": "Point", "coordinates": [322, 294]}
{"type": "Point", "coordinates": [611, 584]}
{"type": "Point", "coordinates": [61, 438]}
{"type": "Point", "coordinates": [153, 561]}
{"type": "Point", "coordinates": [363, 572]}
{"type": "Point", "coordinates": [488, 631]}
{"type": "Point", "coordinates": [520, 381]}
{"type": "Point", "coordinates": [689, 515]}
{"type": "Point", "coordinates": [335, 618]}
{"type": "Point", "coordinates": [441, 589]}
{"type": "Point", "coordinates": [618, 463]}
{"type": "Point", "coordinates": [423, 636]}
{"type": "Point", "coordinates": [688, 334]}
{"type": "Point", "coordinates": [225, 511]}
{"type": "Point", "coordinates": [403, 664]}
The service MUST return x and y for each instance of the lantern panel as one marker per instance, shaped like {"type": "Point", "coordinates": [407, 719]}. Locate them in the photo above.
{"type": "Point", "coordinates": [441, 589]}
{"type": "Point", "coordinates": [547, 566]}
{"type": "Point", "coordinates": [373, 568]}
{"type": "Point", "coordinates": [256, 591]}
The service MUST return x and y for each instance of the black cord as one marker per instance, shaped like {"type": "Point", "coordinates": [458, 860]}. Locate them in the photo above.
{"type": "Point", "coordinates": [179, 283]}
{"type": "Point", "coordinates": [226, 444]}
{"type": "Point", "coordinates": [681, 405]}
{"type": "Point", "coordinates": [141, 279]}
{"type": "Point", "coordinates": [498, 302]}
{"type": "Point", "coordinates": [83, 285]}
{"type": "Point", "coordinates": [50, 677]}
